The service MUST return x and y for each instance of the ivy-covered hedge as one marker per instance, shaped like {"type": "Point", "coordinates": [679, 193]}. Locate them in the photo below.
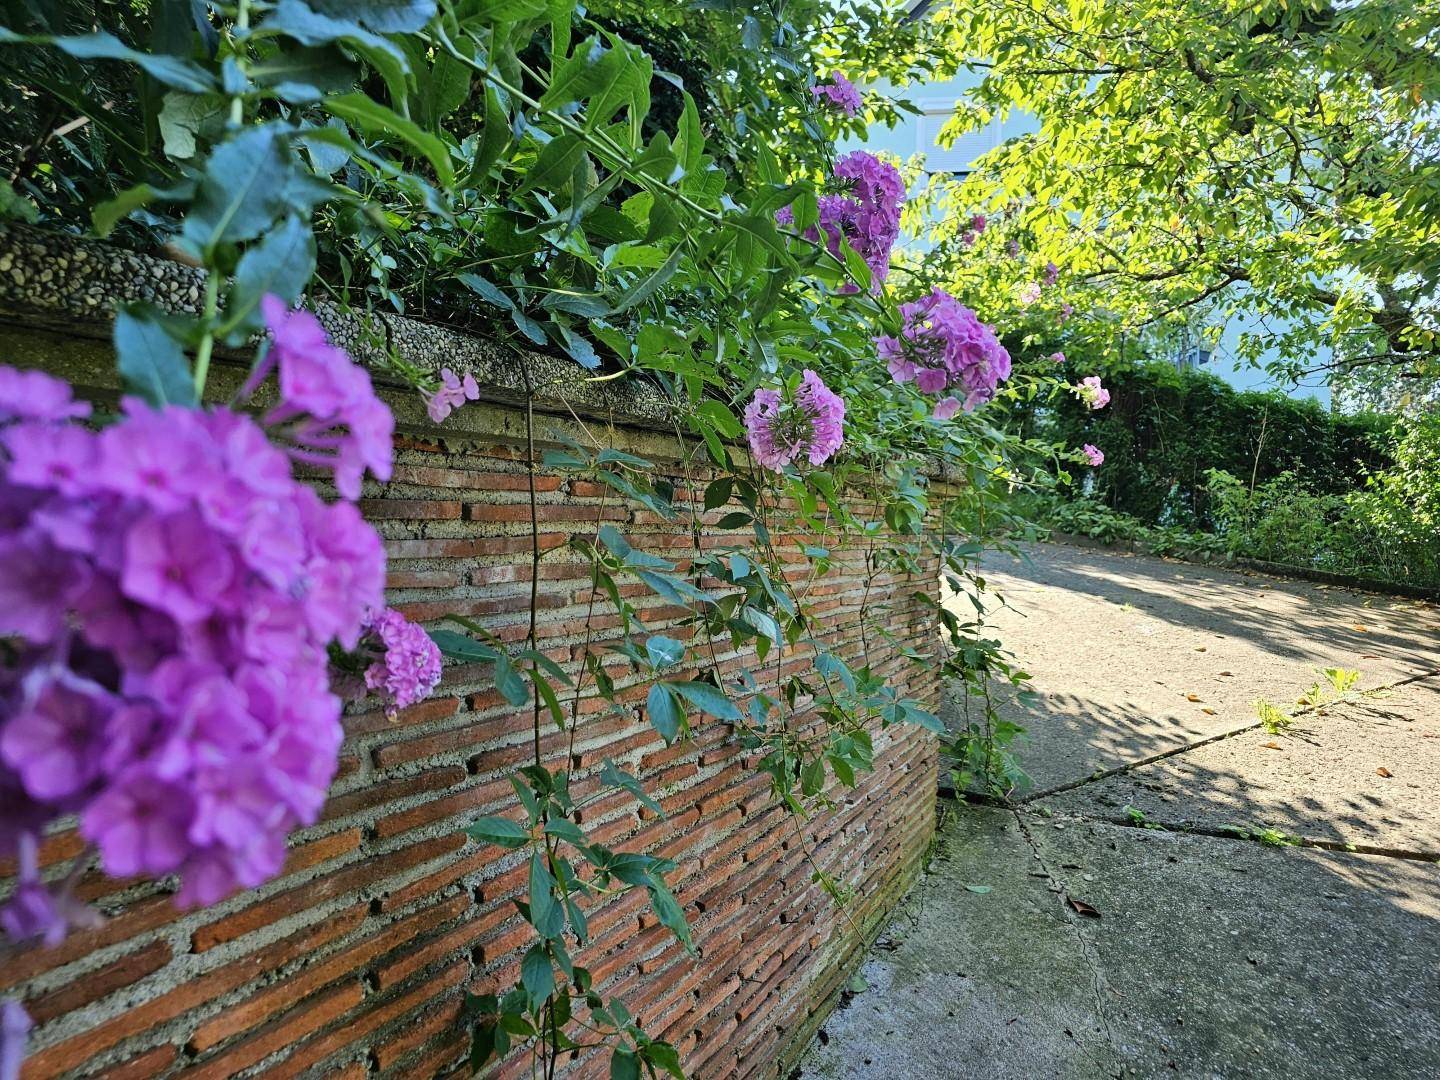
{"type": "Point", "coordinates": [1164, 429]}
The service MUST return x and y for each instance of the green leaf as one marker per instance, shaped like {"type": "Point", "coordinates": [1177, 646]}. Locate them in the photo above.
{"type": "Point", "coordinates": [668, 910]}
{"type": "Point", "coordinates": [614, 776]}
{"type": "Point", "coordinates": [109, 213]}
{"type": "Point", "coordinates": [707, 698]}
{"type": "Point", "coordinates": [462, 647]}
{"type": "Point", "coordinates": [647, 286]}
{"type": "Point", "coordinates": [151, 363]}
{"type": "Point", "coordinates": [689, 142]}
{"type": "Point", "coordinates": [509, 681]}
{"type": "Point", "coordinates": [664, 713]}
{"type": "Point", "coordinates": [554, 165]}
{"type": "Point", "coordinates": [182, 117]}
{"type": "Point", "coordinates": [499, 831]}
{"type": "Point", "coordinates": [717, 494]}
{"type": "Point", "coordinates": [295, 19]}
{"type": "Point", "coordinates": [624, 1065]}
{"type": "Point", "coordinates": [736, 520]}
{"type": "Point", "coordinates": [243, 190]}
{"type": "Point", "coordinates": [537, 976]}
{"type": "Point", "coordinates": [282, 263]}
{"type": "Point", "coordinates": [15, 206]}
{"type": "Point", "coordinates": [382, 16]}
{"type": "Point", "coordinates": [546, 914]}
{"type": "Point", "coordinates": [505, 11]}
{"type": "Point", "coordinates": [376, 120]}
{"type": "Point", "coordinates": [664, 1056]}
{"type": "Point", "coordinates": [664, 651]}
{"type": "Point", "coordinates": [170, 70]}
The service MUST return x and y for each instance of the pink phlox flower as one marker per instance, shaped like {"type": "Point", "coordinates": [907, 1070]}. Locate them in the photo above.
{"type": "Point", "coordinates": [453, 392]}
{"type": "Point", "coordinates": [809, 426]}
{"type": "Point", "coordinates": [334, 420]}
{"type": "Point", "coordinates": [945, 408]}
{"type": "Point", "coordinates": [840, 92]}
{"type": "Point", "coordinates": [1052, 274]}
{"type": "Point", "coordinates": [33, 395]}
{"type": "Point", "coordinates": [1029, 293]}
{"type": "Point", "coordinates": [1058, 357]}
{"type": "Point", "coordinates": [944, 346]}
{"type": "Point", "coordinates": [407, 667]}
{"type": "Point", "coordinates": [1093, 455]}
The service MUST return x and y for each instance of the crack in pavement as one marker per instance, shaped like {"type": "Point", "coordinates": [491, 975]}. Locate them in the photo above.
{"type": "Point", "coordinates": [1130, 766]}
{"type": "Point", "coordinates": [1098, 982]}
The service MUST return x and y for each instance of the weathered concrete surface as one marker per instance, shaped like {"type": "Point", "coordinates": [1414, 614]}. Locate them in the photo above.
{"type": "Point", "coordinates": [1364, 772]}
{"type": "Point", "coordinates": [1119, 644]}
{"type": "Point", "coordinates": [964, 983]}
{"type": "Point", "coordinates": [1211, 958]}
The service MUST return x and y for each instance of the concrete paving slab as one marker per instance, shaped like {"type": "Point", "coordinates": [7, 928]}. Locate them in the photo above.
{"type": "Point", "coordinates": [1227, 958]}
{"type": "Point", "coordinates": [1132, 655]}
{"type": "Point", "coordinates": [1365, 773]}
{"type": "Point", "coordinates": [992, 982]}
{"type": "Point", "coordinates": [1210, 958]}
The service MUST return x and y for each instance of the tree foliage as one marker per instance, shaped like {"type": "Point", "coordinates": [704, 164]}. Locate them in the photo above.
{"type": "Point", "coordinates": [1196, 160]}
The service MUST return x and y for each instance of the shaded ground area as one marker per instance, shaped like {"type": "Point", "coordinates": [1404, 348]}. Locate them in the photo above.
{"type": "Point", "coordinates": [1173, 894]}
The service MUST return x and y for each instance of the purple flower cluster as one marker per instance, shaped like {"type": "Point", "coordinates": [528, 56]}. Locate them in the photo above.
{"type": "Point", "coordinates": [168, 590]}
{"type": "Point", "coordinates": [867, 216]}
{"type": "Point", "coordinates": [406, 664]}
{"type": "Point", "coordinates": [1094, 455]}
{"type": "Point", "coordinates": [1051, 274]}
{"type": "Point", "coordinates": [944, 347]}
{"type": "Point", "coordinates": [328, 413]}
{"type": "Point", "coordinates": [452, 393]}
{"type": "Point", "coordinates": [841, 94]}
{"type": "Point", "coordinates": [809, 426]}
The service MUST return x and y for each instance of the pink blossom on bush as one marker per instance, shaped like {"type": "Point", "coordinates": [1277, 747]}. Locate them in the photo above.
{"type": "Point", "coordinates": [1029, 293]}
{"type": "Point", "coordinates": [407, 663]}
{"type": "Point", "coordinates": [14, 1028]}
{"type": "Point", "coordinates": [1066, 310]}
{"type": "Point", "coordinates": [1058, 357]}
{"type": "Point", "coordinates": [867, 216]}
{"type": "Point", "coordinates": [977, 223]}
{"type": "Point", "coordinates": [1092, 393]}
{"type": "Point", "coordinates": [1013, 249]}
{"type": "Point", "coordinates": [943, 346]}
{"type": "Point", "coordinates": [840, 92]}
{"type": "Point", "coordinates": [328, 413]}
{"type": "Point", "coordinates": [170, 589]}
{"type": "Point", "coordinates": [1093, 455]}
{"type": "Point", "coordinates": [945, 408]}
{"type": "Point", "coordinates": [1051, 274]}
{"type": "Point", "coordinates": [811, 425]}
{"type": "Point", "coordinates": [452, 393]}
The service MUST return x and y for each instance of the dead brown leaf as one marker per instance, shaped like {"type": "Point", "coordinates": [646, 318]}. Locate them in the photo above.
{"type": "Point", "coordinates": [1382, 771]}
{"type": "Point", "coordinates": [1208, 711]}
{"type": "Point", "coordinates": [1200, 648]}
{"type": "Point", "coordinates": [1228, 674]}
{"type": "Point", "coordinates": [1360, 629]}
{"type": "Point", "coordinates": [1080, 907]}
{"type": "Point", "coordinates": [1272, 746]}
{"type": "Point", "coordinates": [1193, 697]}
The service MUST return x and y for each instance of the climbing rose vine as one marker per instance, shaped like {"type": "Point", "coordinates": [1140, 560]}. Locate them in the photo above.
{"type": "Point", "coordinates": [169, 592]}
{"type": "Point", "coordinates": [944, 347]}
{"type": "Point", "coordinates": [809, 426]}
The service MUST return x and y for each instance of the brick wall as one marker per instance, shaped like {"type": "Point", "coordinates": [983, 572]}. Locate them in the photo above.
{"type": "Point", "coordinates": [353, 962]}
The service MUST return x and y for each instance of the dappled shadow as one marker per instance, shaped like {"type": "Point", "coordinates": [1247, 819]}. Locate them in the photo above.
{"type": "Point", "coordinates": [1293, 619]}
